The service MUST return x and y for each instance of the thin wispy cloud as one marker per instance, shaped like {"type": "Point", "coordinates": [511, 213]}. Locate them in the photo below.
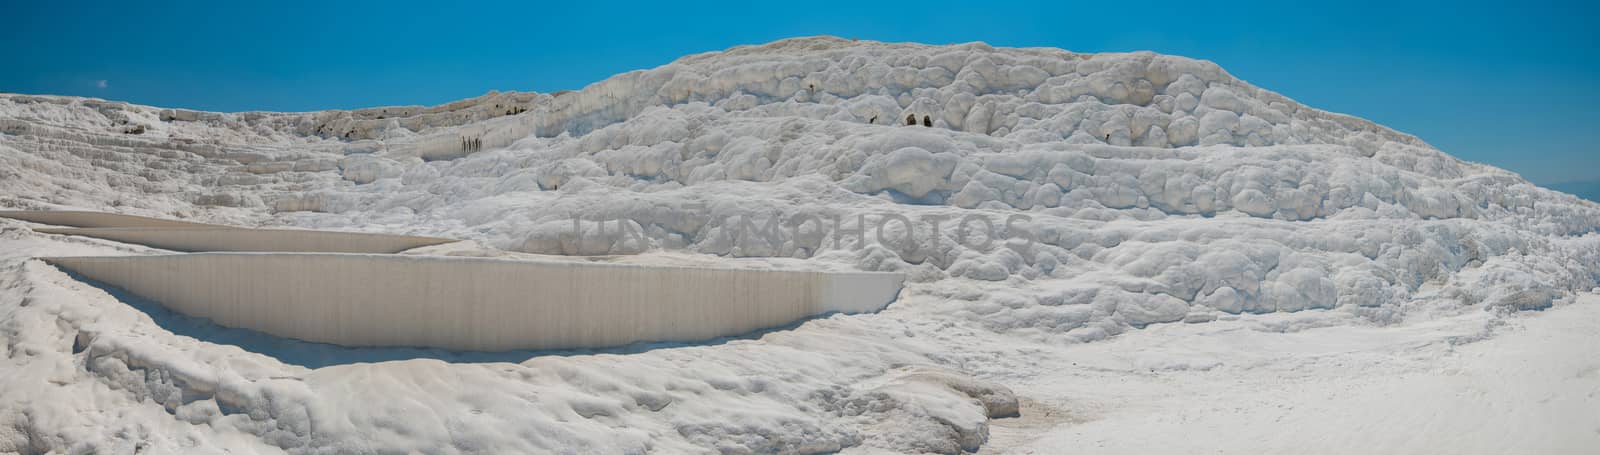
{"type": "Point", "coordinates": [100, 84]}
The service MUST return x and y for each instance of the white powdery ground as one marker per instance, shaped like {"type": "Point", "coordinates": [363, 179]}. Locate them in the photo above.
{"type": "Point", "coordinates": [1159, 189]}
{"type": "Point", "coordinates": [1472, 383]}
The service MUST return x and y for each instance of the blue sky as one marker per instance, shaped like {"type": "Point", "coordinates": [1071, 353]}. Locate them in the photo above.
{"type": "Point", "coordinates": [1512, 84]}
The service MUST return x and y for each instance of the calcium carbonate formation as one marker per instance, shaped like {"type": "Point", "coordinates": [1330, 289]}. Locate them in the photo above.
{"type": "Point", "coordinates": [1117, 191]}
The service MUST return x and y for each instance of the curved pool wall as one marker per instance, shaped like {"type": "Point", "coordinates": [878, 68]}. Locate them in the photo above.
{"type": "Point", "coordinates": [243, 239]}
{"type": "Point", "coordinates": [480, 304]}
{"type": "Point", "coordinates": [95, 219]}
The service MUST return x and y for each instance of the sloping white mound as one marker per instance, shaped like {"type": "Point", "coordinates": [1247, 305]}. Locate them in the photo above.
{"type": "Point", "coordinates": [1053, 198]}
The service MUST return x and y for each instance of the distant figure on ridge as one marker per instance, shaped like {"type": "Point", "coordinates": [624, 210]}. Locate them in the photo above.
{"type": "Point", "coordinates": [927, 121]}
{"type": "Point", "coordinates": [874, 120]}
{"type": "Point", "coordinates": [911, 119]}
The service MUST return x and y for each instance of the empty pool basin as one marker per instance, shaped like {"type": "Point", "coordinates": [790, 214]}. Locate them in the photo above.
{"type": "Point", "coordinates": [480, 304]}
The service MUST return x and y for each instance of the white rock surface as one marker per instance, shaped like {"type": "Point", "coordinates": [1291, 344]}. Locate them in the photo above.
{"type": "Point", "coordinates": [1155, 189]}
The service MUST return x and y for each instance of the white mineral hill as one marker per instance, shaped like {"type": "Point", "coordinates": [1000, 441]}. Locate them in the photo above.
{"type": "Point", "coordinates": [1201, 265]}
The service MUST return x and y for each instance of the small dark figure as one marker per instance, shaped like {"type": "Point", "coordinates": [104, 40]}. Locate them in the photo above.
{"type": "Point", "coordinates": [911, 119]}
{"type": "Point", "coordinates": [813, 88]}
{"type": "Point", "coordinates": [874, 120]}
{"type": "Point", "coordinates": [927, 121]}
{"type": "Point", "coordinates": [1108, 138]}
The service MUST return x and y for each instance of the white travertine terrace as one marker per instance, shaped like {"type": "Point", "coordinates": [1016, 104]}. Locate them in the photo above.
{"type": "Point", "coordinates": [478, 304]}
{"type": "Point", "coordinates": [1161, 189]}
{"type": "Point", "coordinates": [243, 239]}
